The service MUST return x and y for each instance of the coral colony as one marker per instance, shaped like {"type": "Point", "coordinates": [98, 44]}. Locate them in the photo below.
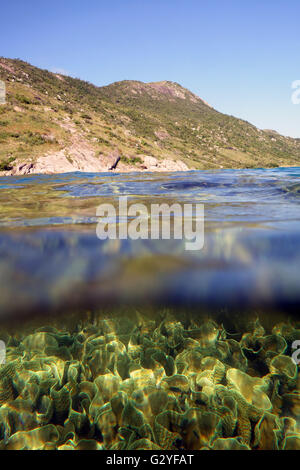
{"type": "Point", "coordinates": [130, 382]}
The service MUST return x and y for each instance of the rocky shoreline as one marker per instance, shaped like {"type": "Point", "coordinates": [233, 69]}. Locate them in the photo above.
{"type": "Point", "coordinates": [58, 163]}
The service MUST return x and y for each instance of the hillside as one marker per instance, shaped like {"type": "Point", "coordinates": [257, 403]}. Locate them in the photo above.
{"type": "Point", "coordinates": [54, 123]}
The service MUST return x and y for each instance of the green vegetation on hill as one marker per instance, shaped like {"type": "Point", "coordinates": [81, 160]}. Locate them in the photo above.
{"type": "Point", "coordinates": [161, 119]}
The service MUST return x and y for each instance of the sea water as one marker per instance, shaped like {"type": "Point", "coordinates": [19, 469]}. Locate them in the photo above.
{"type": "Point", "coordinates": [134, 344]}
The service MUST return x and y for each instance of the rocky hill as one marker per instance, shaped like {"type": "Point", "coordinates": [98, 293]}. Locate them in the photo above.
{"type": "Point", "coordinates": [54, 123]}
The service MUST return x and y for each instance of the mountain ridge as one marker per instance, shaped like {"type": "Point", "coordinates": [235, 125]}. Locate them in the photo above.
{"type": "Point", "coordinates": [55, 123]}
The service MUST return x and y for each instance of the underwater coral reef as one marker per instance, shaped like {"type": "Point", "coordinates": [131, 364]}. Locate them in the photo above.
{"type": "Point", "coordinates": [137, 383]}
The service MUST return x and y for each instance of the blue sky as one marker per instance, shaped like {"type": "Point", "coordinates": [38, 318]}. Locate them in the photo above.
{"type": "Point", "coordinates": [239, 55]}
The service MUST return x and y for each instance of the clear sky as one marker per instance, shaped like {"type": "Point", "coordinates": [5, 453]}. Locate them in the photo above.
{"type": "Point", "coordinates": [239, 55]}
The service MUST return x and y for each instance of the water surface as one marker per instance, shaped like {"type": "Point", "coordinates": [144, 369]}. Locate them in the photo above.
{"type": "Point", "coordinates": [50, 257]}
